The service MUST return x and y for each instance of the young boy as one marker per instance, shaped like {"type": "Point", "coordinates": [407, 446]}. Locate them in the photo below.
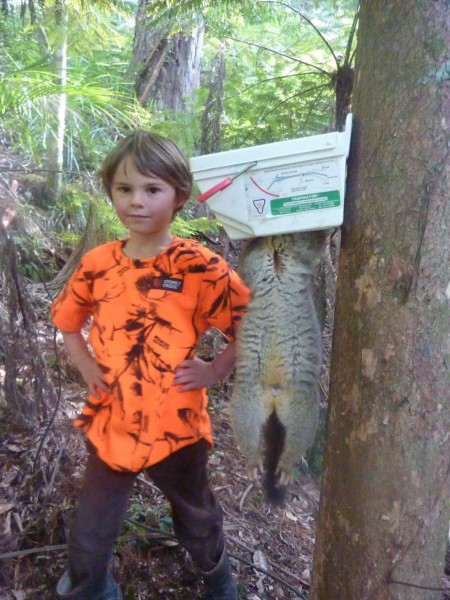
{"type": "Point", "coordinates": [150, 297]}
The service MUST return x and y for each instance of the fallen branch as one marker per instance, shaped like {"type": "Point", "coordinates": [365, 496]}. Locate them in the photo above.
{"type": "Point", "coordinates": [160, 533]}
{"type": "Point", "coordinates": [298, 592]}
{"type": "Point", "coordinates": [278, 567]}
{"type": "Point", "coordinates": [20, 553]}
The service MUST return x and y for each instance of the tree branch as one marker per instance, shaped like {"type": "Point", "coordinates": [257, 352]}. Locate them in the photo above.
{"type": "Point", "coordinates": [271, 79]}
{"type": "Point", "coordinates": [157, 532]}
{"type": "Point", "coordinates": [154, 75]}
{"type": "Point", "coordinates": [279, 54]}
{"type": "Point", "coordinates": [313, 105]}
{"type": "Point", "coordinates": [316, 87]}
{"type": "Point", "coordinates": [19, 553]}
{"type": "Point", "coordinates": [249, 563]}
{"type": "Point", "coordinates": [348, 60]}
{"type": "Point", "coordinates": [308, 21]}
{"type": "Point", "coordinates": [416, 586]}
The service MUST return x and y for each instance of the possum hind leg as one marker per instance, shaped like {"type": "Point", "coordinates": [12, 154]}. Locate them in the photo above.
{"type": "Point", "coordinates": [299, 415]}
{"type": "Point", "coordinates": [248, 415]}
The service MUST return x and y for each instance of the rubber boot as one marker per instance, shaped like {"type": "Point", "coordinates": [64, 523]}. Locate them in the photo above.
{"type": "Point", "coordinates": [219, 582]}
{"type": "Point", "coordinates": [83, 591]}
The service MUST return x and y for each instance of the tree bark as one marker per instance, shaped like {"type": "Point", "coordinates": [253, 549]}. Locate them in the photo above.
{"type": "Point", "coordinates": [212, 115]}
{"type": "Point", "coordinates": [167, 66]}
{"type": "Point", "coordinates": [56, 143]}
{"type": "Point", "coordinates": [385, 492]}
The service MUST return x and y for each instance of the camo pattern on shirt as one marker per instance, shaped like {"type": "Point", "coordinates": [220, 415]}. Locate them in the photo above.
{"type": "Point", "coordinates": [147, 317]}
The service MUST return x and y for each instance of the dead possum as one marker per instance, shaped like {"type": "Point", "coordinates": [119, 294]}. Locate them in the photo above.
{"type": "Point", "coordinates": [275, 400]}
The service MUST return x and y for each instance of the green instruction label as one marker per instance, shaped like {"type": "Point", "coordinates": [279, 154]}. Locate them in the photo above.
{"type": "Point", "coordinates": [293, 204]}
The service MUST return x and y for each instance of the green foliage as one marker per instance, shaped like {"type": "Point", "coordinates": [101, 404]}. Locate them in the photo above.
{"type": "Point", "coordinates": [37, 260]}
{"type": "Point", "coordinates": [136, 511]}
{"type": "Point", "coordinates": [280, 74]}
{"type": "Point", "coordinates": [69, 217]}
{"type": "Point", "coordinates": [194, 227]}
{"type": "Point", "coordinates": [181, 127]}
{"type": "Point", "coordinates": [281, 63]}
{"type": "Point", "coordinates": [141, 517]}
{"type": "Point", "coordinates": [281, 57]}
{"type": "Point", "coordinates": [99, 99]}
{"type": "Point", "coordinates": [224, 14]}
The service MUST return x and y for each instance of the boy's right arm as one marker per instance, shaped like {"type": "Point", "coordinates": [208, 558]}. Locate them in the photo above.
{"type": "Point", "coordinates": [84, 361]}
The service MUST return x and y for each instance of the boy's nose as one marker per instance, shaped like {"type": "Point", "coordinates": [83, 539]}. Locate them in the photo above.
{"type": "Point", "coordinates": [137, 198]}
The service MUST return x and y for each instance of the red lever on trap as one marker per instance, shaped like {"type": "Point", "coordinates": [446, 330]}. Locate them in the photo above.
{"type": "Point", "coordinates": [223, 184]}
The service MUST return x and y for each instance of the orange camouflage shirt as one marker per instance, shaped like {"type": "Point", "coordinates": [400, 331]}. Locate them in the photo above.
{"type": "Point", "coordinates": [147, 317]}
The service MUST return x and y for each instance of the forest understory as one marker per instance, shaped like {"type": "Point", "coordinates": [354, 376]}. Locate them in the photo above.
{"type": "Point", "coordinates": [42, 460]}
{"type": "Point", "coordinates": [41, 471]}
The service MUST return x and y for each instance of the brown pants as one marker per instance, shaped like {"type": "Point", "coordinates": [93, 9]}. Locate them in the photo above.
{"type": "Point", "coordinates": [102, 502]}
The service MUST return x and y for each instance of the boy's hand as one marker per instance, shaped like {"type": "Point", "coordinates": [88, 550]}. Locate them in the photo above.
{"type": "Point", "coordinates": [93, 376]}
{"type": "Point", "coordinates": [193, 374]}
{"type": "Point", "coordinates": [85, 362]}
{"type": "Point", "coordinates": [196, 373]}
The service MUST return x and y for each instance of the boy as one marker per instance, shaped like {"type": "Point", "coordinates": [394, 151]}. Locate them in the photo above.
{"type": "Point", "coordinates": [150, 297]}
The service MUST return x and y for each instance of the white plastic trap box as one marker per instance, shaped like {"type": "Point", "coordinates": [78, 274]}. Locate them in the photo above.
{"type": "Point", "coordinates": [296, 185]}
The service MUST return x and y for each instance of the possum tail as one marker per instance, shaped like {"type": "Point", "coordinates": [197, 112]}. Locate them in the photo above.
{"type": "Point", "coordinates": [274, 438]}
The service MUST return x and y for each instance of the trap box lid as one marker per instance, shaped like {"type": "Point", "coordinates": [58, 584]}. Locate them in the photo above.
{"type": "Point", "coordinates": [284, 187]}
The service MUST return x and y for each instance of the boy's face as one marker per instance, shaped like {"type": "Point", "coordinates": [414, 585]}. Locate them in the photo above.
{"type": "Point", "coordinates": [144, 203]}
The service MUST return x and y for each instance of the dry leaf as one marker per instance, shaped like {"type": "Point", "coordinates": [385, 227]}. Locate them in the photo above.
{"type": "Point", "coordinates": [14, 448]}
{"type": "Point", "coordinates": [20, 594]}
{"type": "Point", "coordinates": [169, 543]}
{"type": "Point", "coordinates": [18, 521]}
{"type": "Point", "coordinates": [313, 490]}
{"type": "Point", "coordinates": [306, 574]}
{"type": "Point", "coordinates": [7, 524]}
{"type": "Point", "coordinates": [5, 507]}
{"type": "Point", "coordinates": [260, 561]}
{"type": "Point", "coordinates": [260, 586]}
{"type": "Point", "coordinates": [290, 516]}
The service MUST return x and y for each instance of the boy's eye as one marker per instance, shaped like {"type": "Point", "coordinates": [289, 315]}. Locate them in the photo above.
{"type": "Point", "coordinates": [123, 188]}
{"type": "Point", "coordinates": [153, 190]}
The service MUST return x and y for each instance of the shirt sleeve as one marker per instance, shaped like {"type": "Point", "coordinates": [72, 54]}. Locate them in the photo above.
{"type": "Point", "coordinates": [73, 305]}
{"type": "Point", "coordinates": [224, 297]}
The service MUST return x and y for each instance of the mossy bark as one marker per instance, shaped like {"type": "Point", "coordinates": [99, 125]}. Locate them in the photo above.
{"type": "Point", "coordinates": [166, 64]}
{"type": "Point", "coordinates": [384, 510]}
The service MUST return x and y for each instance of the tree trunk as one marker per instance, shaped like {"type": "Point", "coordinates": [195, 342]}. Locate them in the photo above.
{"type": "Point", "coordinates": [167, 66]}
{"type": "Point", "coordinates": [384, 511]}
{"type": "Point", "coordinates": [212, 114]}
{"type": "Point", "coordinates": [343, 88]}
{"type": "Point", "coordinates": [56, 144]}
